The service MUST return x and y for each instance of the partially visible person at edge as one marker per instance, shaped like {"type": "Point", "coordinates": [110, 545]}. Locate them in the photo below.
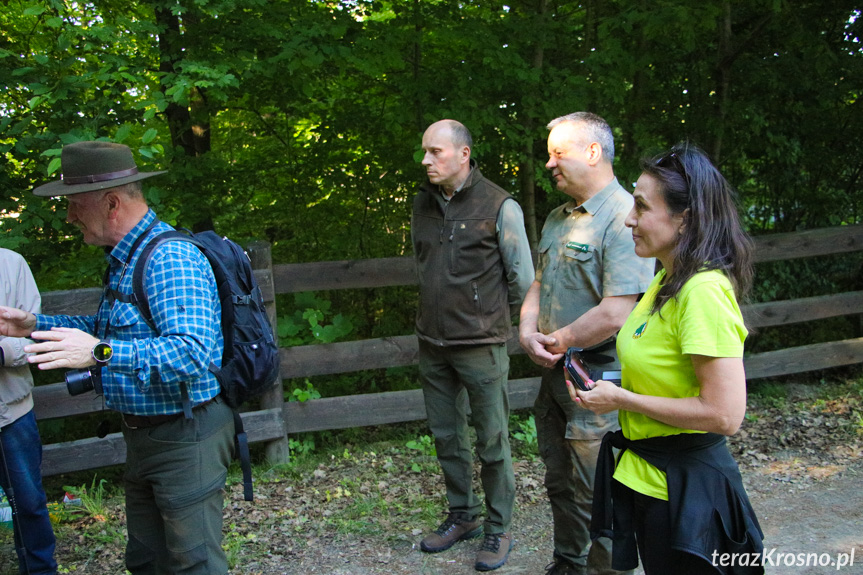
{"type": "Point", "coordinates": [20, 446]}
{"type": "Point", "coordinates": [175, 466]}
{"type": "Point", "coordinates": [474, 267]}
{"type": "Point", "coordinates": [677, 493]}
{"type": "Point", "coordinates": [587, 281]}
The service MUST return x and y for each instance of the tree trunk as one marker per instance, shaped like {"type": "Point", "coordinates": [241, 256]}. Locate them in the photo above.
{"type": "Point", "coordinates": [527, 167]}
{"type": "Point", "coordinates": [190, 128]}
{"type": "Point", "coordinates": [724, 77]}
{"type": "Point", "coordinates": [418, 28]}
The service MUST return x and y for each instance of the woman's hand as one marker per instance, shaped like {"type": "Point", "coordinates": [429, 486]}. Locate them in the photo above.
{"type": "Point", "coordinates": [603, 396]}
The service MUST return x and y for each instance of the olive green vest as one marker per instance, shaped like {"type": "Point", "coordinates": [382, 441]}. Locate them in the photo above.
{"type": "Point", "coordinates": [463, 287]}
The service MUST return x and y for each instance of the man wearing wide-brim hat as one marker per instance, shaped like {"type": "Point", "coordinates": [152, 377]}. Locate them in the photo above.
{"type": "Point", "coordinates": [175, 465]}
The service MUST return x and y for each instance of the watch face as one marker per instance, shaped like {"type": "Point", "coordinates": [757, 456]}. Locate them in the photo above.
{"type": "Point", "coordinates": [102, 352]}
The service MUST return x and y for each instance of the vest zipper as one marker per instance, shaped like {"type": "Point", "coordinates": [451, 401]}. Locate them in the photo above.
{"type": "Point", "coordinates": [443, 224]}
{"type": "Point", "coordinates": [478, 304]}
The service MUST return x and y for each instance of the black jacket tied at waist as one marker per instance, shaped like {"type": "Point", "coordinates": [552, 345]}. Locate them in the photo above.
{"type": "Point", "coordinates": [710, 511]}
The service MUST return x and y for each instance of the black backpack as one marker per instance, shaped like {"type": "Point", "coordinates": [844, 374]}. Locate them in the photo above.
{"type": "Point", "coordinates": [250, 361]}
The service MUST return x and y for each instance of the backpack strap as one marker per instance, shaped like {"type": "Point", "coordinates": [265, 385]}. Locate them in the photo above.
{"type": "Point", "coordinates": [139, 292]}
{"type": "Point", "coordinates": [241, 444]}
{"type": "Point", "coordinates": [116, 295]}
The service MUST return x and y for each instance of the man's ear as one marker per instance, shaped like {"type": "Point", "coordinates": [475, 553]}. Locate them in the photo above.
{"type": "Point", "coordinates": [112, 200]}
{"type": "Point", "coordinates": [465, 155]}
{"type": "Point", "coordinates": [594, 153]}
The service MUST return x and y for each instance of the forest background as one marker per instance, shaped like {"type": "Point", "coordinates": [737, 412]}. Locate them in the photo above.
{"type": "Point", "coordinates": [299, 123]}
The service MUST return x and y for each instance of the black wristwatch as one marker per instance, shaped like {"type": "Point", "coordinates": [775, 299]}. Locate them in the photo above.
{"type": "Point", "coordinates": [102, 353]}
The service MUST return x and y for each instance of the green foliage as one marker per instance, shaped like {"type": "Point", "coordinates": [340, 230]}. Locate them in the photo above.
{"type": "Point", "coordinates": [768, 393]}
{"type": "Point", "coordinates": [800, 278]}
{"type": "Point", "coordinates": [234, 540]}
{"type": "Point", "coordinates": [303, 394]}
{"type": "Point", "coordinates": [304, 445]}
{"type": "Point", "coordinates": [524, 430]}
{"type": "Point", "coordinates": [93, 498]}
{"type": "Point", "coordinates": [425, 447]}
{"type": "Point", "coordinates": [298, 122]}
{"type": "Point", "coordinates": [308, 323]}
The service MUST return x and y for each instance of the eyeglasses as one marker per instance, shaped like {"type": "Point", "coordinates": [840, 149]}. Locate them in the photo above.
{"type": "Point", "coordinates": [673, 162]}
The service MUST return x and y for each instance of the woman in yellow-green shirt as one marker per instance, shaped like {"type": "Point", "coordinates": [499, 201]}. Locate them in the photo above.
{"type": "Point", "coordinates": [676, 490]}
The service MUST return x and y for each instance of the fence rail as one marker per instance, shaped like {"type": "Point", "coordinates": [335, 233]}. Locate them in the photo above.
{"type": "Point", "coordinates": [277, 419]}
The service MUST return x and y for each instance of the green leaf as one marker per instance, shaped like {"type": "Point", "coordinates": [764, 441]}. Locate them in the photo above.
{"type": "Point", "coordinates": [34, 10]}
{"type": "Point", "coordinates": [313, 316]}
{"type": "Point", "coordinates": [149, 136]}
{"type": "Point", "coordinates": [53, 166]}
{"type": "Point", "coordinates": [123, 133]}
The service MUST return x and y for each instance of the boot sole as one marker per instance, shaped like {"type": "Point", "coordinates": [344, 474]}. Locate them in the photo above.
{"type": "Point", "coordinates": [473, 534]}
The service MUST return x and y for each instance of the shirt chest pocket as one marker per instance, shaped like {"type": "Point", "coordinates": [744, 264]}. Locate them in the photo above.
{"type": "Point", "coordinates": [580, 266]}
{"type": "Point", "coordinates": [543, 252]}
{"type": "Point", "coordinates": [124, 316]}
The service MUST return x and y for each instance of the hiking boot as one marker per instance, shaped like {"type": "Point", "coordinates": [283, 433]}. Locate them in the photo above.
{"type": "Point", "coordinates": [493, 552]}
{"type": "Point", "coordinates": [456, 527]}
{"type": "Point", "coordinates": [561, 567]}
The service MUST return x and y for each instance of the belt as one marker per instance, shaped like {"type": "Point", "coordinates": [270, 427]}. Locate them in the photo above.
{"type": "Point", "coordinates": [144, 421]}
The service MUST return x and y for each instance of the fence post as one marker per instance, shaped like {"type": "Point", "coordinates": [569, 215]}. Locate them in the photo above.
{"type": "Point", "coordinates": [260, 253]}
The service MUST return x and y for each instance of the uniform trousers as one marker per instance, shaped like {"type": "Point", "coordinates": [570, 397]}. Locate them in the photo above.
{"type": "Point", "coordinates": [175, 478]}
{"type": "Point", "coordinates": [480, 372]}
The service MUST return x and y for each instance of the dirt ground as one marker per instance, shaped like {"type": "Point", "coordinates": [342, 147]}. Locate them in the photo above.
{"type": "Point", "coordinates": [364, 512]}
{"type": "Point", "coordinates": [802, 464]}
{"type": "Point", "coordinates": [818, 515]}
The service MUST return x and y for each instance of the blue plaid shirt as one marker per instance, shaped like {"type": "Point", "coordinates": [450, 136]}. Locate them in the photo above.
{"type": "Point", "coordinates": [144, 374]}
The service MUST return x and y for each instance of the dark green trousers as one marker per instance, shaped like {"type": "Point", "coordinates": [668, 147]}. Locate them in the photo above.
{"type": "Point", "coordinates": [480, 372]}
{"type": "Point", "coordinates": [569, 438]}
{"type": "Point", "coordinates": [174, 481]}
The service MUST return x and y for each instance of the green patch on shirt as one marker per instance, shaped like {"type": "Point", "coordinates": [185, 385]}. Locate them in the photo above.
{"type": "Point", "coordinates": [584, 248]}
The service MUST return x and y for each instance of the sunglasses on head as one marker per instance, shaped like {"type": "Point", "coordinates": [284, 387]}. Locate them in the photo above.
{"type": "Point", "coordinates": [672, 161]}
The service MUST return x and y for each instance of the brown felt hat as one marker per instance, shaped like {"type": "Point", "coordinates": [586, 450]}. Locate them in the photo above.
{"type": "Point", "coordinates": [89, 166]}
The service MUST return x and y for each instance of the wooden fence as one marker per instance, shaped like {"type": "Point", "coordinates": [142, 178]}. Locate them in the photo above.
{"type": "Point", "coordinates": [276, 419]}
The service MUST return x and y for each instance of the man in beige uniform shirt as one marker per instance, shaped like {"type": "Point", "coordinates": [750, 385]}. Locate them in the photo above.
{"type": "Point", "coordinates": [587, 281]}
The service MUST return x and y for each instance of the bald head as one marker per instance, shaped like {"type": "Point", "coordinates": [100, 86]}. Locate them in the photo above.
{"type": "Point", "coordinates": [446, 146]}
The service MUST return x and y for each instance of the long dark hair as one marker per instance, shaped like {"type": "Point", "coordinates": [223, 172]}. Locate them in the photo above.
{"type": "Point", "coordinates": [712, 238]}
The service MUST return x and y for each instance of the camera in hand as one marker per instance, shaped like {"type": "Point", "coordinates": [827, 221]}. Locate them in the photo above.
{"type": "Point", "coordinates": [80, 381]}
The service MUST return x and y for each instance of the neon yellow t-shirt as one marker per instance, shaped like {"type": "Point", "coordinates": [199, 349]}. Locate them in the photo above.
{"type": "Point", "coordinates": [655, 359]}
